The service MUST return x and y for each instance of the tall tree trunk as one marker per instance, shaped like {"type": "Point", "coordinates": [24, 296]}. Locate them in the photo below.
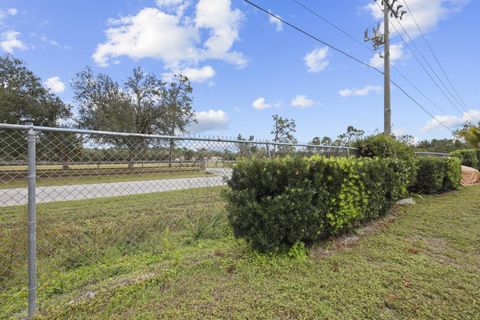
{"type": "Point", "coordinates": [170, 156]}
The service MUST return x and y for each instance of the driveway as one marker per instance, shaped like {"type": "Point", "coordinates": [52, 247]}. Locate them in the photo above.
{"type": "Point", "coordinates": [19, 196]}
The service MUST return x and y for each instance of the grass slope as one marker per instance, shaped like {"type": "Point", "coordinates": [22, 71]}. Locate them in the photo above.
{"type": "Point", "coordinates": [172, 256]}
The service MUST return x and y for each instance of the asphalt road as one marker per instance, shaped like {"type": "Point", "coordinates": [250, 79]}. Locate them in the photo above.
{"type": "Point", "coordinates": [19, 196]}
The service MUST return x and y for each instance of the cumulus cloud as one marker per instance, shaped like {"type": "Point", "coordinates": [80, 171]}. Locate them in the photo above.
{"type": "Point", "coordinates": [193, 74]}
{"type": "Point", "coordinates": [55, 85]}
{"type": "Point", "coordinates": [277, 23]}
{"type": "Point", "coordinates": [177, 6]}
{"type": "Point", "coordinates": [427, 14]}
{"type": "Point", "coordinates": [261, 104]}
{"type": "Point", "coordinates": [301, 101]}
{"type": "Point", "coordinates": [11, 11]}
{"type": "Point", "coordinates": [317, 60]}
{"type": "Point", "coordinates": [210, 120]}
{"type": "Point", "coordinates": [396, 54]}
{"type": "Point", "coordinates": [9, 41]}
{"type": "Point", "coordinates": [360, 92]}
{"type": "Point", "coordinates": [176, 39]}
{"type": "Point", "coordinates": [451, 121]}
{"type": "Point", "coordinates": [170, 3]}
{"type": "Point", "coordinates": [7, 12]}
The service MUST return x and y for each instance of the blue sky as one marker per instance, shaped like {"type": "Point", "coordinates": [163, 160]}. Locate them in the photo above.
{"type": "Point", "coordinates": [246, 68]}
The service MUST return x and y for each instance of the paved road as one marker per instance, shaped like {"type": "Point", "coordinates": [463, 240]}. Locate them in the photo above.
{"type": "Point", "coordinates": [18, 196]}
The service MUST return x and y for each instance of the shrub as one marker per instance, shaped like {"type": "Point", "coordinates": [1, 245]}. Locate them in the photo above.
{"type": "Point", "coordinates": [436, 175]}
{"type": "Point", "coordinates": [469, 157]}
{"type": "Point", "coordinates": [275, 203]}
{"type": "Point", "coordinates": [383, 147]}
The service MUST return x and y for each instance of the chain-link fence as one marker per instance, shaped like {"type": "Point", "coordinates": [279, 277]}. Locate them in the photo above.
{"type": "Point", "coordinates": [74, 204]}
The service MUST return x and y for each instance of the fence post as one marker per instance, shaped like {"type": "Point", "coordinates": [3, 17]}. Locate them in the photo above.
{"type": "Point", "coordinates": [268, 150]}
{"type": "Point", "coordinates": [32, 225]}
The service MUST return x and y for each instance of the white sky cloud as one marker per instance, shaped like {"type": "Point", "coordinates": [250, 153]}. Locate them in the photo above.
{"type": "Point", "coordinates": [174, 6]}
{"type": "Point", "coordinates": [261, 104]}
{"type": "Point", "coordinates": [360, 92]}
{"type": "Point", "coordinates": [277, 23]}
{"type": "Point", "coordinates": [55, 84]}
{"type": "Point", "coordinates": [210, 120]}
{"type": "Point", "coordinates": [169, 3]}
{"type": "Point", "coordinates": [9, 41]}
{"type": "Point", "coordinates": [396, 54]}
{"type": "Point", "coordinates": [7, 12]}
{"type": "Point", "coordinates": [176, 39]}
{"type": "Point", "coordinates": [427, 14]}
{"type": "Point", "coordinates": [193, 74]}
{"type": "Point", "coordinates": [12, 11]}
{"type": "Point", "coordinates": [451, 121]}
{"type": "Point", "coordinates": [317, 60]}
{"type": "Point", "coordinates": [301, 101]}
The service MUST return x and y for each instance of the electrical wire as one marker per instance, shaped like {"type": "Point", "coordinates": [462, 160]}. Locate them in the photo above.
{"type": "Point", "coordinates": [455, 105]}
{"type": "Point", "coordinates": [433, 54]}
{"type": "Point", "coordinates": [370, 49]}
{"type": "Point", "coordinates": [345, 54]}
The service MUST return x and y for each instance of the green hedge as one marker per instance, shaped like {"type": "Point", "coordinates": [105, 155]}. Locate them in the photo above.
{"type": "Point", "coordinates": [435, 175]}
{"type": "Point", "coordinates": [383, 147]}
{"type": "Point", "coordinates": [469, 157]}
{"type": "Point", "coordinates": [275, 203]}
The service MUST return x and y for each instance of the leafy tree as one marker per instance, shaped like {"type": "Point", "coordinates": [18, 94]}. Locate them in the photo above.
{"type": "Point", "coordinates": [246, 149]}
{"type": "Point", "coordinates": [282, 132]}
{"type": "Point", "coordinates": [143, 104]}
{"type": "Point", "coordinates": [24, 100]}
{"type": "Point", "coordinates": [177, 110]}
{"type": "Point", "coordinates": [315, 141]}
{"type": "Point", "coordinates": [471, 134]}
{"type": "Point", "coordinates": [406, 139]}
{"type": "Point", "coordinates": [326, 141]}
{"type": "Point", "coordinates": [441, 145]}
{"type": "Point", "coordinates": [351, 135]}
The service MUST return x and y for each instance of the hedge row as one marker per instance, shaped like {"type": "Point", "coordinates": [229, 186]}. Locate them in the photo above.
{"type": "Point", "coordinates": [383, 147]}
{"type": "Point", "coordinates": [275, 203]}
{"type": "Point", "coordinates": [435, 175]}
{"type": "Point", "coordinates": [469, 157]}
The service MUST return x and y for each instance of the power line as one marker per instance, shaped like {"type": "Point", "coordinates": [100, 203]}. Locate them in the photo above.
{"type": "Point", "coordinates": [331, 24]}
{"type": "Point", "coordinates": [343, 53]}
{"type": "Point", "coordinates": [425, 69]}
{"type": "Point", "coordinates": [455, 105]}
{"type": "Point", "coordinates": [312, 36]}
{"type": "Point", "coordinates": [349, 35]}
{"type": "Point", "coordinates": [434, 55]}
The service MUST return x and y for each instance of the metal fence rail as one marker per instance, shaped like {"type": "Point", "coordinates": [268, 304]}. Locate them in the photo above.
{"type": "Point", "coordinates": [72, 200]}
{"type": "Point", "coordinates": [433, 154]}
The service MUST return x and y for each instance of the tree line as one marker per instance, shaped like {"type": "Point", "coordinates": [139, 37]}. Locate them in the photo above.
{"type": "Point", "coordinates": [145, 104]}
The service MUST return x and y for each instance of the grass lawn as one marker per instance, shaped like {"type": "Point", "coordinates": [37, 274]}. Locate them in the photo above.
{"type": "Point", "coordinates": [172, 256]}
{"type": "Point", "coordinates": [93, 165]}
{"type": "Point", "coordinates": [63, 181]}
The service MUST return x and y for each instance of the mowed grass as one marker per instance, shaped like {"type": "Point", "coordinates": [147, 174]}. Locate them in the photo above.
{"type": "Point", "coordinates": [73, 180]}
{"type": "Point", "coordinates": [99, 165]}
{"type": "Point", "coordinates": [172, 256]}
